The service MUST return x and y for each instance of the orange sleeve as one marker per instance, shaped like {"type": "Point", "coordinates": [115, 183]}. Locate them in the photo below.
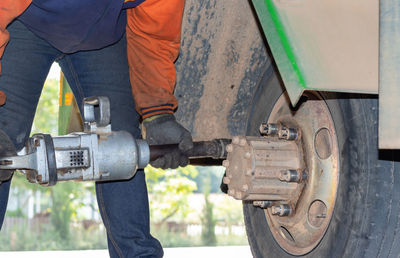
{"type": "Point", "coordinates": [153, 40]}
{"type": "Point", "coordinates": [9, 9]}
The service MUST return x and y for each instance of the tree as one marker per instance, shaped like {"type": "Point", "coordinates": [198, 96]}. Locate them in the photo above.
{"type": "Point", "coordinates": [168, 192]}
{"type": "Point", "coordinates": [208, 221]}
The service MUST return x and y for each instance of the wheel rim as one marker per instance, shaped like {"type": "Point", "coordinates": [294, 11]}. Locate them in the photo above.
{"type": "Point", "coordinates": [301, 232]}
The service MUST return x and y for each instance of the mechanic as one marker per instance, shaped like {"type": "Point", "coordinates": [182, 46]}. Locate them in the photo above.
{"type": "Point", "coordinates": [88, 40]}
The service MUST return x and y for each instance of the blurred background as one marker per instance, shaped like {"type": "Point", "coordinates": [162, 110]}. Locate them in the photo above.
{"type": "Point", "coordinates": [186, 205]}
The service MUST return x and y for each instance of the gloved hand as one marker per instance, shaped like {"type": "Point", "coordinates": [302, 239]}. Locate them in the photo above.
{"type": "Point", "coordinates": [164, 129]}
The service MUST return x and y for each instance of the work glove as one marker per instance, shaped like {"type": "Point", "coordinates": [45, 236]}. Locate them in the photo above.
{"type": "Point", "coordinates": [164, 129]}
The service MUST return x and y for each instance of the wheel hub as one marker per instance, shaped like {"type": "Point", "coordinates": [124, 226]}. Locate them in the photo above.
{"type": "Point", "coordinates": [292, 173]}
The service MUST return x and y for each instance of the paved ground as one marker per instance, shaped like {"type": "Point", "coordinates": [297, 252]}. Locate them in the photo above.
{"type": "Point", "coordinates": [187, 252]}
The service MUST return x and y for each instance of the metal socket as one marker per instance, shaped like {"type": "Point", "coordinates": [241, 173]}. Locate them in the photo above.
{"type": "Point", "coordinates": [269, 129]}
{"type": "Point", "coordinates": [289, 134]}
{"type": "Point", "coordinates": [290, 175]}
{"type": "Point", "coordinates": [281, 210]}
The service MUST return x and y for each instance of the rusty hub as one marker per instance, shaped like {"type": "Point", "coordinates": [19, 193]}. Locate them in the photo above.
{"type": "Point", "coordinates": [299, 233]}
{"type": "Point", "coordinates": [292, 172]}
{"type": "Point", "coordinates": [260, 168]}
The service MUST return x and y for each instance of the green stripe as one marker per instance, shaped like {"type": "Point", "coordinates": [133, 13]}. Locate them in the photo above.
{"type": "Point", "coordinates": [285, 41]}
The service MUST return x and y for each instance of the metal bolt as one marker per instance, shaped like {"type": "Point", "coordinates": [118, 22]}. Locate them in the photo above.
{"type": "Point", "coordinates": [290, 175]}
{"type": "Point", "coordinates": [269, 129]}
{"type": "Point", "coordinates": [262, 204]}
{"type": "Point", "coordinates": [281, 210]}
{"type": "Point", "coordinates": [289, 134]}
{"type": "Point", "coordinates": [229, 148]}
{"type": "Point", "coordinates": [226, 180]}
{"type": "Point", "coordinates": [247, 155]}
{"type": "Point", "coordinates": [225, 163]}
{"type": "Point", "coordinates": [236, 140]}
{"type": "Point", "coordinates": [245, 188]}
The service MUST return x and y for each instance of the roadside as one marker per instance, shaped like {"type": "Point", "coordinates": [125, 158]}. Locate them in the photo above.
{"type": "Point", "coordinates": [192, 252]}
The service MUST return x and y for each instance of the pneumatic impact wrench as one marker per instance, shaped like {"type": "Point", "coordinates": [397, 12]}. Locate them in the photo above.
{"type": "Point", "coordinates": [96, 154]}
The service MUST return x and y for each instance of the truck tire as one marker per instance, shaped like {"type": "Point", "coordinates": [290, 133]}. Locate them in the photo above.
{"type": "Point", "coordinates": [366, 215]}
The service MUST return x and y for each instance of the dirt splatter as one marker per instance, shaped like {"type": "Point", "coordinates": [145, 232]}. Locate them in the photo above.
{"type": "Point", "coordinates": [226, 31]}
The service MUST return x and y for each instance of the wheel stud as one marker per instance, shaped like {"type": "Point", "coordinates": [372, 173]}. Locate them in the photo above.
{"type": "Point", "coordinates": [281, 210]}
{"type": "Point", "coordinates": [262, 204]}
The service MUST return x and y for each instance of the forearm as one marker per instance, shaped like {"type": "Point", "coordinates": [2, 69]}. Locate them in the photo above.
{"type": "Point", "coordinates": [9, 10]}
{"type": "Point", "coordinates": [153, 35]}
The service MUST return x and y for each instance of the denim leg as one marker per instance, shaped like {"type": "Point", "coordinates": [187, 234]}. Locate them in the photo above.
{"type": "Point", "coordinates": [124, 204]}
{"type": "Point", "coordinates": [25, 65]}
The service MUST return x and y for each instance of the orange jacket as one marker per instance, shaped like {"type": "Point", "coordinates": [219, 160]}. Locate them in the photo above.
{"type": "Point", "coordinates": [153, 40]}
{"type": "Point", "coordinates": [153, 35]}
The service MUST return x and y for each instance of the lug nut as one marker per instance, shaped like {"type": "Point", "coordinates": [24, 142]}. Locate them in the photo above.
{"type": "Point", "coordinates": [281, 210]}
{"type": "Point", "coordinates": [229, 148]}
{"type": "Point", "coordinates": [262, 204]}
{"type": "Point", "coordinates": [247, 155]}
{"type": "Point", "coordinates": [289, 134]}
{"type": "Point", "coordinates": [269, 129]}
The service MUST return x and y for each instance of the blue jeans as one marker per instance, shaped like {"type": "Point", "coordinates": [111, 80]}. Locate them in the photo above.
{"type": "Point", "coordinates": [25, 65]}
